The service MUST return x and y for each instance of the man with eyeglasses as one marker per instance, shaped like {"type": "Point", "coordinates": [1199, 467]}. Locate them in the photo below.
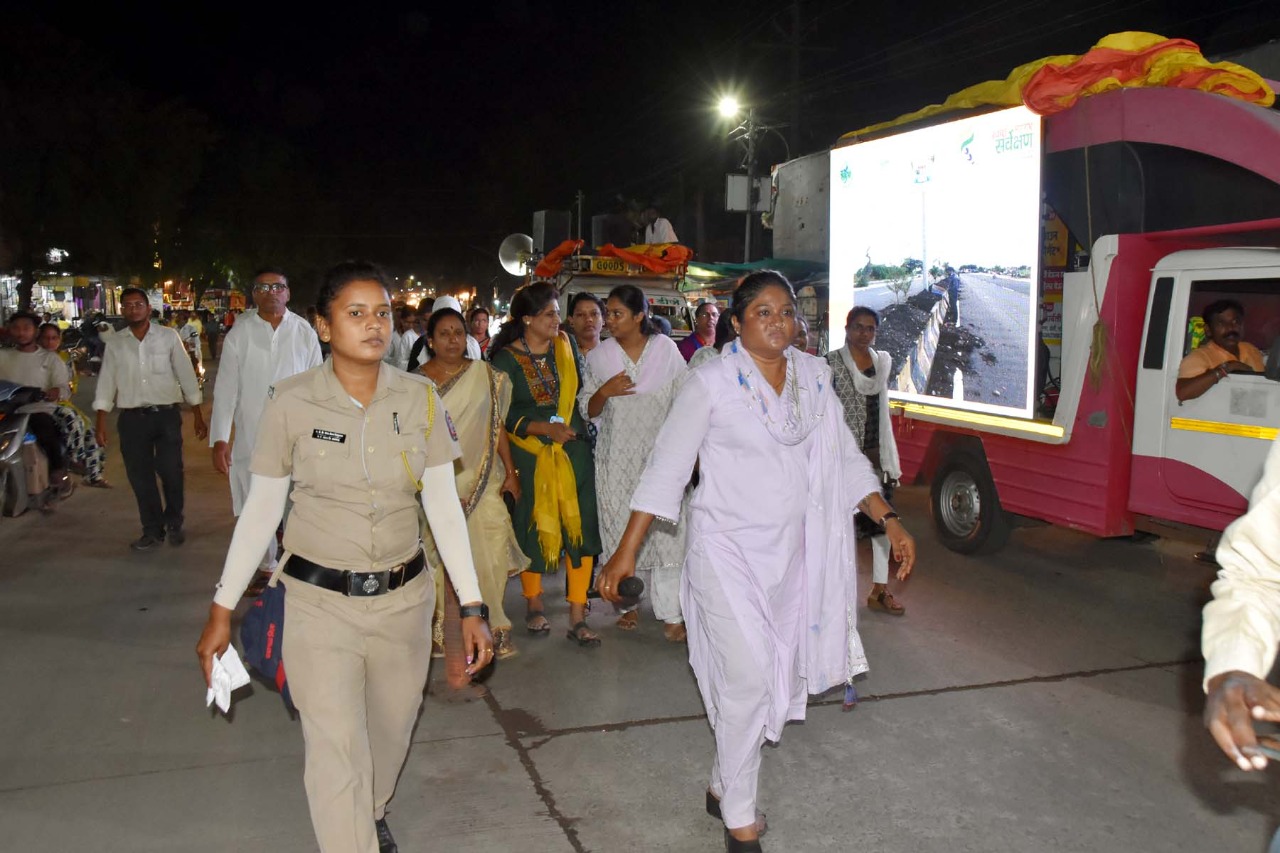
{"type": "Point", "coordinates": [147, 374]}
{"type": "Point", "coordinates": [268, 343]}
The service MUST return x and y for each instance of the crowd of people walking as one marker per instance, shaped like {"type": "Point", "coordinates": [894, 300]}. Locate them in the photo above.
{"type": "Point", "coordinates": [542, 448]}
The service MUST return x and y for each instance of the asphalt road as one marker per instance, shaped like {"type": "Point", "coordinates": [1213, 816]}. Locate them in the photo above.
{"type": "Point", "coordinates": [1043, 699]}
{"type": "Point", "coordinates": [997, 310]}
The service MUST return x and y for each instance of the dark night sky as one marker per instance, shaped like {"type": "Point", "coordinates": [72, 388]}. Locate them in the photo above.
{"type": "Point", "coordinates": [432, 132]}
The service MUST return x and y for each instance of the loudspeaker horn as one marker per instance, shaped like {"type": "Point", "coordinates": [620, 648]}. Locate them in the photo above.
{"type": "Point", "coordinates": [515, 253]}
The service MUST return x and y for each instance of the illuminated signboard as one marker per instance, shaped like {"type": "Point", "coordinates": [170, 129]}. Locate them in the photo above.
{"type": "Point", "coordinates": [938, 230]}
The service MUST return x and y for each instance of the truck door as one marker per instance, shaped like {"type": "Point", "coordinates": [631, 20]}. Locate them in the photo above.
{"type": "Point", "coordinates": [1212, 447]}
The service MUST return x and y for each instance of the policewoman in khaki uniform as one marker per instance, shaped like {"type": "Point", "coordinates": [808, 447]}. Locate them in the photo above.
{"type": "Point", "coordinates": [358, 439]}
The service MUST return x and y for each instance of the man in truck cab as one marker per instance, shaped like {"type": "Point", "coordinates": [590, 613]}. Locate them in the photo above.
{"type": "Point", "coordinates": [1224, 353]}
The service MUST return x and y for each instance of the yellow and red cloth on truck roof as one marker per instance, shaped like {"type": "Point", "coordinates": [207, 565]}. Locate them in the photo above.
{"type": "Point", "coordinates": [1120, 60]}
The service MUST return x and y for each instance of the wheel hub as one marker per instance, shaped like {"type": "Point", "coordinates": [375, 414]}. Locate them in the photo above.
{"type": "Point", "coordinates": [961, 504]}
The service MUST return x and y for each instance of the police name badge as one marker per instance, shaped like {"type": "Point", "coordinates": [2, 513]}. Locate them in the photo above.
{"type": "Point", "coordinates": [329, 435]}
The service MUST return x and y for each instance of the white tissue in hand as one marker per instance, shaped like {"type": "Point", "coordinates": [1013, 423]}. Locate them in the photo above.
{"type": "Point", "coordinates": [228, 674]}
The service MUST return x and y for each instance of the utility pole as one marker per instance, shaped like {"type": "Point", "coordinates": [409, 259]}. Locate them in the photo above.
{"type": "Point", "coordinates": [794, 119]}
{"type": "Point", "coordinates": [750, 125]}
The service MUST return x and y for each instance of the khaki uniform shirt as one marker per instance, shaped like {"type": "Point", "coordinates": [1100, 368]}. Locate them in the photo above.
{"type": "Point", "coordinates": [355, 470]}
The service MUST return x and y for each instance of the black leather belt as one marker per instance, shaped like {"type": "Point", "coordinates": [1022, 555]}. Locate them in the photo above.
{"type": "Point", "coordinates": [355, 584]}
{"type": "Point", "coordinates": [163, 408]}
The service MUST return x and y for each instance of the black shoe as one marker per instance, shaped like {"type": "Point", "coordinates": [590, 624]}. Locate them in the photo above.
{"type": "Point", "coordinates": [386, 844]}
{"type": "Point", "coordinates": [146, 542]}
{"type": "Point", "coordinates": [177, 537]}
{"type": "Point", "coordinates": [733, 845]}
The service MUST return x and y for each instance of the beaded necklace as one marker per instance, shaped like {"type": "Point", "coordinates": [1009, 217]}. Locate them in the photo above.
{"type": "Point", "coordinates": [551, 366]}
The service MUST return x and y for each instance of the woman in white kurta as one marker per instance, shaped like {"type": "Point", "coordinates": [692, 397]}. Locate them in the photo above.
{"type": "Point", "coordinates": [632, 379]}
{"type": "Point", "coordinates": [769, 587]}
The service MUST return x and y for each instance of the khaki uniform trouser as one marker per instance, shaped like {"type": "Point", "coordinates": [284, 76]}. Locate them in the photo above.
{"type": "Point", "coordinates": [357, 668]}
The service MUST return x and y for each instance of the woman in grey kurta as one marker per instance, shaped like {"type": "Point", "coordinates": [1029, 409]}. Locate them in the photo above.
{"type": "Point", "coordinates": [632, 379]}
{"type": "Point", "coordinates": [769, 586]}
{"type": "Point", "coordinates": [860, 376]}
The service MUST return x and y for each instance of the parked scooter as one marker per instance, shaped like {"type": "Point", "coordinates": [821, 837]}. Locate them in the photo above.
{"type": "Point", "coordinates": [17, 454]}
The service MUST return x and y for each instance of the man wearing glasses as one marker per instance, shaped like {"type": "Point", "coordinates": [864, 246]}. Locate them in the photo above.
{"type": "Point", "coordinates": [267, 344]}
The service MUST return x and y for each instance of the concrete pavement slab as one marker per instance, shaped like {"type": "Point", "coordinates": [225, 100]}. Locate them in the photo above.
{"type": "Point", "coordinates": [1111, 763]}
{"type": "Point", "coordinates": [462, 795]}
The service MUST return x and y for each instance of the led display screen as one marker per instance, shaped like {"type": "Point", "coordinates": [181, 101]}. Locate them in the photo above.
{"type": "Point", "coordinates": [938, 231]}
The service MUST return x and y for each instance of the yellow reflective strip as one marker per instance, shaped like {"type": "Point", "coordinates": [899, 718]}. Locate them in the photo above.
{"type": "Point", "coordinates": [968, 418]}
{"type": "Point", "coordinates": [1220, 428]}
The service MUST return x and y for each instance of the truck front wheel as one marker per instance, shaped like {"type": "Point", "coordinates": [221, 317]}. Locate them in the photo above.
{"type": "Point", "coordinates": [966, 509]}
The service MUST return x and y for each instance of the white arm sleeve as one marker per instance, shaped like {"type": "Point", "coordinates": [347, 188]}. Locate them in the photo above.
{"type": "Point", "coordinates": [449, 529]}
{"type": "Point", "coordinates": [263, 509]}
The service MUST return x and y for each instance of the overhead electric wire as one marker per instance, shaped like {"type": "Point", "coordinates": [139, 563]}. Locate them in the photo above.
{"type": "Point", "coordinates": [825, 78]}
{"type": "Point", "coordinates": [994, 46]}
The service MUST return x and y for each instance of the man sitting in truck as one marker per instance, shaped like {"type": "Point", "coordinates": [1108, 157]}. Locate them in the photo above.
{"type": "Point", "coordinates": [1225, 352]}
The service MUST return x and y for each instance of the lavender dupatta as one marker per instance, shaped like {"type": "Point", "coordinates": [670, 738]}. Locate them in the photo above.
{"type": "Point", "coordinates": [839, 478]}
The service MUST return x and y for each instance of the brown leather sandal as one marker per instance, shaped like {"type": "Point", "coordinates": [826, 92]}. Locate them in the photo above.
{"type": "Point", "coordinates": [886, 603]}
{"type": "Point", "coordinates": [628, 621]}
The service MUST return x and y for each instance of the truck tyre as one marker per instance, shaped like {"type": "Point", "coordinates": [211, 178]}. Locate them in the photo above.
{"type": "Point", "coordinates": [965, 507]}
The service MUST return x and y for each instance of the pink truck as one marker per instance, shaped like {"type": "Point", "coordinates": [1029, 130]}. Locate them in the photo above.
{"type": "Point", "coordinates": [1173, 198]}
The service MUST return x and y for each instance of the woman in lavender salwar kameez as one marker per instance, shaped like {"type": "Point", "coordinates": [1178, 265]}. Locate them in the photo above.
{"type": "Point", "coordinates": [768, 584]}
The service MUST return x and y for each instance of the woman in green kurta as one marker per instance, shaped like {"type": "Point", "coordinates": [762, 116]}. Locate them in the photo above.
{"type": "Point", "coordinates": [556, 513]}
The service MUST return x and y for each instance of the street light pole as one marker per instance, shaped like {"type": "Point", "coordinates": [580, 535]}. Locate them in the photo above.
{"type": "Point", "coordinates": [750, 126]}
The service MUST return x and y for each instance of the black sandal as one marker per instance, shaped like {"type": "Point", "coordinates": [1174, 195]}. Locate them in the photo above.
{"type": "Point", "coordinates": [575, 634]}
{"type": "Point", "coordinates": [535, 622]}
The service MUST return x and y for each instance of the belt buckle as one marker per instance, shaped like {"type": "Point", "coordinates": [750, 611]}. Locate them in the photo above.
{"type": "Point", "coordinates": [368, 583]}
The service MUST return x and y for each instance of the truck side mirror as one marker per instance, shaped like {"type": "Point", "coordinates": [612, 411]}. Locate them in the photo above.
{"type": "Point", "coordinates": [1272, 369]}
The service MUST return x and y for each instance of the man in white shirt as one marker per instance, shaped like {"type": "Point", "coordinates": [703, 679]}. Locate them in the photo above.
{"type": "Point", "coordinates": [146, 373]}
{"type": "Point", "coordinates": [265, 345]}
{"type": "Point", "coordinates": [392, 355]}
{"type": "Point", "coordinates": [190, 331]}
{"type": "Point", "coordinates": [1242, 626]}
{"type": "Point", "coordinates": [30, 365]}
{"type": "Point", "coordinates": [409, 334]}
{"type": "Point", "coordinates": [656, 228]}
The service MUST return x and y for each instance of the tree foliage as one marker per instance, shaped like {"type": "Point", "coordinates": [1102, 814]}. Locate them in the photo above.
{"type": "Point", "coordinates": [87, 164]}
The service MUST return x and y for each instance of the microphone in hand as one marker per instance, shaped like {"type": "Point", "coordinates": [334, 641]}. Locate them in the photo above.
{"type": "Point", "coordinates": [629, 590]}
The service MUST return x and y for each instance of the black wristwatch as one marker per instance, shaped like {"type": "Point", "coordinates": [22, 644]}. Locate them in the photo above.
{"type": "Point", "coordinates": [481, 610]}
{"type": "Point", "coordinates": [887, 516]}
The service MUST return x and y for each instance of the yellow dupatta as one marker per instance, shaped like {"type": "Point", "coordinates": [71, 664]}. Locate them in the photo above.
{"type": "Point", "coordinates": [555, 489]}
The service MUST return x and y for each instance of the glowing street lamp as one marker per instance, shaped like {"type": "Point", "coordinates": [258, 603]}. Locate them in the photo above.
{"type": "Point", "coordinates": [747, 133]}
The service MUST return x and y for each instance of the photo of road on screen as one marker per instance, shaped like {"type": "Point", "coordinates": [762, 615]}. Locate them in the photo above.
{"type": "Point", "coordinates": [938, 231]}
